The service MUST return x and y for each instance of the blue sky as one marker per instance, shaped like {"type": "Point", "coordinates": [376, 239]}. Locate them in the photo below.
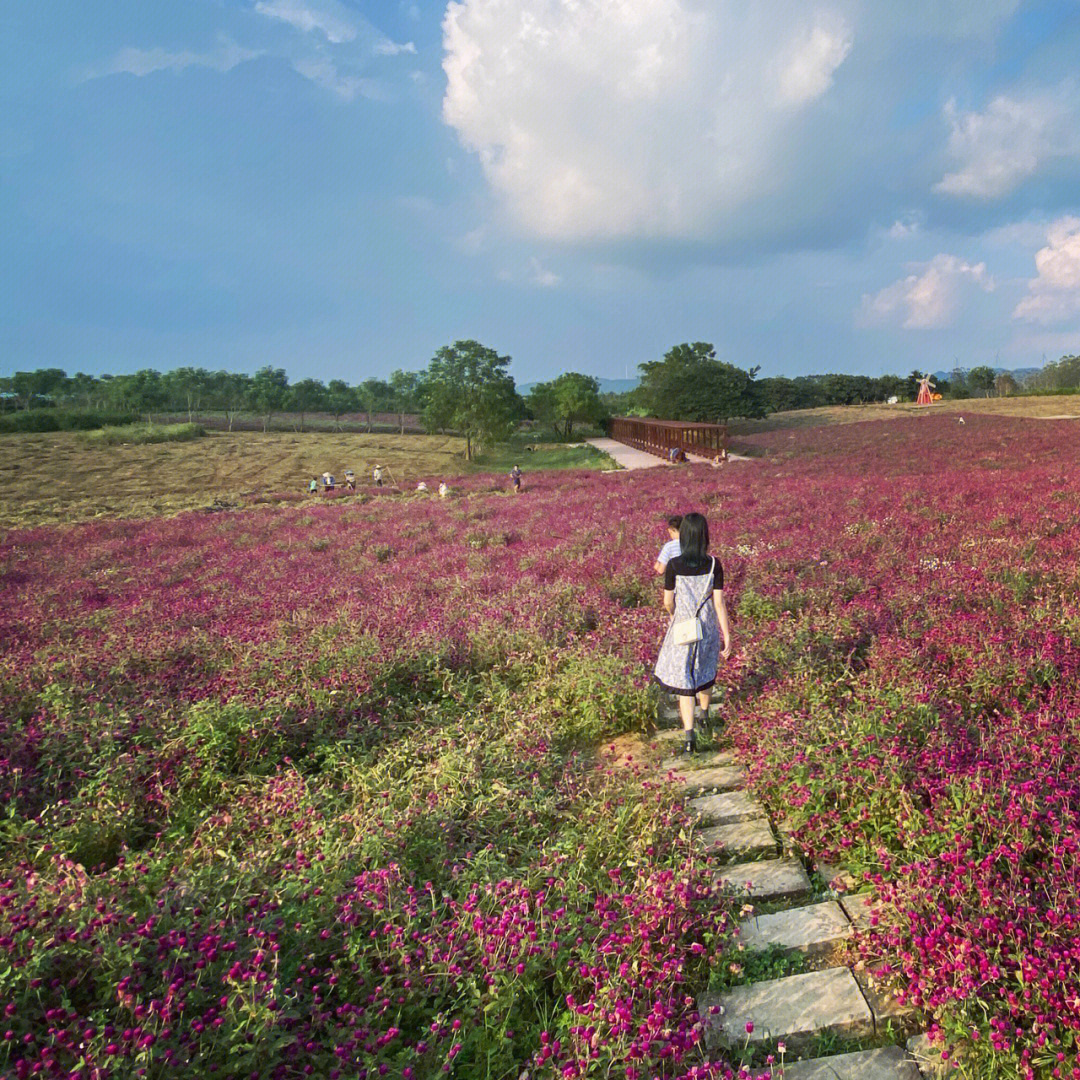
{"type": "Point", "coordinates": [339, 187]}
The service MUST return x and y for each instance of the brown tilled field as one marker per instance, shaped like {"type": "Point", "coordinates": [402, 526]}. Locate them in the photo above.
{"type": "Point", "coordinates": [63, 476]}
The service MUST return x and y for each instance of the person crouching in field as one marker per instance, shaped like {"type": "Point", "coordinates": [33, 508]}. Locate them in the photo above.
{"type": "Point", "coordinates": [694, 598]}
{"type": "Point", "coordinates": [671, 549]}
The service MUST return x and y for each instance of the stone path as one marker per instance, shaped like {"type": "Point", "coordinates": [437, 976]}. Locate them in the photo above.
{"type": "Point", "coordinates": [814, 1007]}
{"type": "Point", "coordinates": [629, 457]}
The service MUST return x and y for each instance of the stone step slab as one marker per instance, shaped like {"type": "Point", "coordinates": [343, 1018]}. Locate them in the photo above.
{"type": "Point", "coordinates": [835, 877]}
{"type": "Point", "coordinates": [689, 763]}
{"type": "Point", "coordinates": [796, 1009]}
{"type": "Point", "coordinates": [810, 930]}
{"type": "Point", "coordinates": [769, 879]}
{"type": "Point", "coordinates": [890, 1016]}
{"type": "Point", "coordinates": [885, 1063]}
{"type": "Point", "coordinates": [927, 1057]}
{"type": "Point", "coordinates": [726, 807]}
{"type": "Point", "coordinates": [862, 909]}
{"type": "Point", "coordinates": [745, 839]}
{"type": "Point", "coordinates": [717, 778]}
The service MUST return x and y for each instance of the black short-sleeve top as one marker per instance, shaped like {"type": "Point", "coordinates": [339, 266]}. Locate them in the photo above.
{"type": "Point", "coordinates": [687, 567]}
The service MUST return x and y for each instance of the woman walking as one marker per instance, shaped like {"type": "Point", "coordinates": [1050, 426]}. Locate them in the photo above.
{"type": "Point", "coordinates": [694, 598]}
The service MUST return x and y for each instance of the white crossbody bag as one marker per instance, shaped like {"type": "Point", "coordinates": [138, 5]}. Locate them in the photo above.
{"type": "Point", "coordinates": [689, 631]}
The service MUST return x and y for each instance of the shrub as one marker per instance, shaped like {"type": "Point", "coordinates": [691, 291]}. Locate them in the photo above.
{"type": "Point", "coordinates": [146, 433]}
{"type": "Point", "coordinates": [59, 420]}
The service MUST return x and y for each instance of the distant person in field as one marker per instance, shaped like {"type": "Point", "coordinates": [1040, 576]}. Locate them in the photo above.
{"type": "Point", "coordinates": [350, 479]}
{"type": "Point", "coordinates": [422, 487]}
{"type": "Point", "coordinates": [328, 481]}
{"type": "Point", "coordinates": [515, 476]}
{"type": "Point", "coordinates": [443, 490]}
{"type": "Point", "coordinates": [694, 598]}
{"type": "Point", "coordinates": [313, 487]}
{"type": "Point", "coordinates": [377, 474]}
{"type": "Point", "coordinates": [671, 549]}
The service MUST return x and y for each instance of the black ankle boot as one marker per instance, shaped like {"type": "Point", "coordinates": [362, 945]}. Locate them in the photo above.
{"type": "Point", "coordinates": [691, 742]}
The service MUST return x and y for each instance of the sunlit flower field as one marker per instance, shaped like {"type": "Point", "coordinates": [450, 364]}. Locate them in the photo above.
{"type": "Point", "coordinates": [314, 789]}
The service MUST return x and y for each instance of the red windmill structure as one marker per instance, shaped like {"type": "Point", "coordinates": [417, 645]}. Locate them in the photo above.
{"type": "Point", "coordinates": [925, 386]}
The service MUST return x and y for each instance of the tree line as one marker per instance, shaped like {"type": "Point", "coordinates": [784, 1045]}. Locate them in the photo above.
{"type": "Point", "coordinates": [466, 388]}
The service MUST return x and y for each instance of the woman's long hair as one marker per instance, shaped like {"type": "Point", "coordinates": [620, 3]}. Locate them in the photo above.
{"type": "Point", "coordinates": [694, 537]}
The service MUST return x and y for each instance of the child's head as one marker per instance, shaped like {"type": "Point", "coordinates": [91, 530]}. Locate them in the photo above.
{"type": "Point", "coordinates": [673, 524]}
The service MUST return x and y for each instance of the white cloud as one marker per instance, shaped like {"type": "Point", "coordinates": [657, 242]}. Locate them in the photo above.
{"type": "Point", "coordinates": [1054, 295]}
{"type": "Point", "coordinates": [326, 16]}
{"type": "Point", "coordinates": [224, 57]}
{"type": "Point", "coordinates": [322, 71]}
{"type": "Point", "coordinates": [612, 118]}
{"type": "Point", "coordinates": [1011, 140]}
{"type": "Point", "coordinates": [904, 228]}
{"type": "Point", "coordinates": [807, 71]}
{"type": "Point", "coordinates": [386, 47]}
{"type": "Point", "coordinates": [928, 298]}
{"type": "Point", "coordinates": [546, 279]}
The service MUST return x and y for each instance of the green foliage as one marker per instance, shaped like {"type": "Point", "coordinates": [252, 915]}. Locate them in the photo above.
{"type": "Point", "coordinates": [691, 384]}
{"type": "Point", "coordinates": [467, 389]}
{"type": "Point", "coordinates": [568, 400]}
{"type": "Point", "coordinates": [59, 420]}
{"type": "Point", "coordinates": [267, 392]}
{"type": "Point", "coordinates": [308, 395]}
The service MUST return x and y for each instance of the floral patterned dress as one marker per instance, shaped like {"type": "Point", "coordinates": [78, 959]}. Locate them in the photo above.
{"type": "Point", "coordinates": [689, 669]}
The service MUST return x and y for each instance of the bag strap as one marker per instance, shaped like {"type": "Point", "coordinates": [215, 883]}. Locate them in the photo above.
{"type": "Point", "coordinates": [708, 595]}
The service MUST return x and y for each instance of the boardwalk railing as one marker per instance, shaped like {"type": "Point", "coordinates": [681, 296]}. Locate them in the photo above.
{"type": "Point", "coordinates": [659, 436]}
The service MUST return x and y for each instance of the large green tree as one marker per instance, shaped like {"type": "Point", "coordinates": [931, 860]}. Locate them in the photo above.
{"type": "Point", "coordinates": [186, 387]}
{"type": "Point", "coordinates": [340, 399]}
{"type": "Point", "coordinates": [307, 395]}
{"type": "Point", "coordinates": [691, 384]}
{"type": "Point", "coordinates": [981, 380]}
{"type": "Point", "coordinates": [405, 394]}
{"type": "Point", "coordinates": [268, 389]}
{"type": "Point", "coordinates": [467, 389]}
{"type": "Point", "coordinates": [372, 395]}
{"type": "Point", "coordinates": [568, 400]}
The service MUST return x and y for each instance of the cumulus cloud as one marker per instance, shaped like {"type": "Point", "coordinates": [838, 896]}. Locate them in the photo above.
{"type": "Point", "coordinates": [224, 57]}
{"type": "Point", "coordinates": [807, 71]}
{"type": "Point", "coordinates": [612, 118]}
{"type": "Point", "coordinates": [1011, 140]}
{"type": "Point", "coordinates": [929, 297]}
{"type": "Point", "coordinates": [328, 17]}
{"type": "Point", "coordinates": [1054, 295]}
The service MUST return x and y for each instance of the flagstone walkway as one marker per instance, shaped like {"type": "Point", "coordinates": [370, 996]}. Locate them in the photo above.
{"type": "Point", "coordinates": [629, 457]}
{"type": "Point", "coordinates": [795, 914]}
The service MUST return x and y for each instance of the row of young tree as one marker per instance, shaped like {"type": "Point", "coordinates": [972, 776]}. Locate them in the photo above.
{"type": "Point", "coordinates": [466, 388]}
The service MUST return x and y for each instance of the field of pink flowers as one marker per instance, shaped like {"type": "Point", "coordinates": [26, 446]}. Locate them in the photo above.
{"type": "Point", "coordinates": [310, 790]}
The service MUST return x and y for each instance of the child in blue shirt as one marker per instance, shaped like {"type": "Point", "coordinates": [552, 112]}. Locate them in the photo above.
{"type": "Point", "coordinates": [672, 549]}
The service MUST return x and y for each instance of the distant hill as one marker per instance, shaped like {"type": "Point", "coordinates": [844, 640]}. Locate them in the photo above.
{"type": "Point", "coordinates": [607, 386]}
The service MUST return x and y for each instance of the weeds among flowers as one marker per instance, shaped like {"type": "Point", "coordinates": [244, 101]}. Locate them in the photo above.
{"type": "Point", "coordinates": [308, 791]}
